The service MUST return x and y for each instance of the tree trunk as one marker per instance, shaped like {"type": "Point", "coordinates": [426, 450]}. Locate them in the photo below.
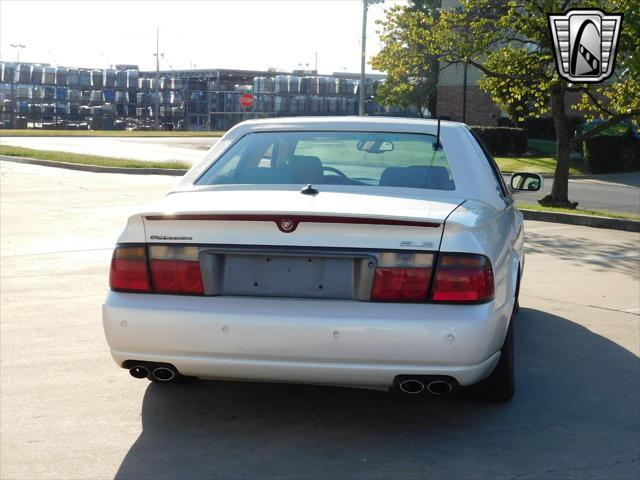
{"type": "Point", "coordinates": [560, 191]}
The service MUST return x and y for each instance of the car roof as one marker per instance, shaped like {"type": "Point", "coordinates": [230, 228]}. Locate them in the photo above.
{"type": "Point", "coordinates": [348, 123]}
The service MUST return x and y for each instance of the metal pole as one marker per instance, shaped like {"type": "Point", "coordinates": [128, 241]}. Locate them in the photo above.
{"type": "Point", "coordinates": [464, 95]}
{"type": "Point", "coordinates": [365, 5]}
{"type": "Point", "coordinates": [316, 63]}
{"type": "Point", "coordinates": [157, 112]}
{"type": "Point", "coordinates": [18, 47]}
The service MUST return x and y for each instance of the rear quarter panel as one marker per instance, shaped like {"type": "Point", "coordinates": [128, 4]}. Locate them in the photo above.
{"type": "Point", "coordinates": [133, 231]}
{"type": "Point", "coordinates": [475, 227]}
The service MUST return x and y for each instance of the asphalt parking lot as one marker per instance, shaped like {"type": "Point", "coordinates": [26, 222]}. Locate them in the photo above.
{"type": "Point", "coordinates": [67, 411]}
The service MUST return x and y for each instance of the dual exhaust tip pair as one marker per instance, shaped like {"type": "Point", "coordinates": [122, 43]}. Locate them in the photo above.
{"type": "Point", "coordinates": [152, 372]}
{"type": "Point", "coordinates": [414, 386]}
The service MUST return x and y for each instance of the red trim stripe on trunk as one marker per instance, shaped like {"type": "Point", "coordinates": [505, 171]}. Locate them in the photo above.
{"type": "Point", "coordinates": [279, 220]}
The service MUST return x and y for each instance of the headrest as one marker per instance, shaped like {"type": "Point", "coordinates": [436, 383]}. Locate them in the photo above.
{"type": "Point", "coordinates": [306, 169]}
{"type": "Point", "coordinates": [434, 177]}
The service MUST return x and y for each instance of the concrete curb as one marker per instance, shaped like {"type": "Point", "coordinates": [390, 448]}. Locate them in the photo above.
{"type": "Point", "coordinates": [583, 220]}
{"type": "Point", "coordinates": [94, 168]}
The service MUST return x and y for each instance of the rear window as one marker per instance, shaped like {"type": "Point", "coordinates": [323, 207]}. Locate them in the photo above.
{"type": "Point", "coordinates": [333, 158]}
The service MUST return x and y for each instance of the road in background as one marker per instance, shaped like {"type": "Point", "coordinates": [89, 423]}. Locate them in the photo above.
{"type": "Point", "coordinates": [618, 193]}
{"type": "Point", "coordinates": [68, 412]}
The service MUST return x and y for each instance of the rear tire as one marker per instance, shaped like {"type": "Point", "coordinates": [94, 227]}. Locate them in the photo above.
{"type": "Point", "coordinates": [500, 386]}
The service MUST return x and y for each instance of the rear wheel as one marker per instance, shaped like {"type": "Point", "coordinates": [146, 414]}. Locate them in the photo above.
{"type": "Point", "coordinates": [500, 386]}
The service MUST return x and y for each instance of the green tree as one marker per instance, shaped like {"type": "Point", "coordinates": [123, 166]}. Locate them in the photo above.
{"type": "Point", "coordinates": [622, 98]}
{"type": "Point", "coordinates": [412, 72]}
{"type": "Point", "coordinates": [509, 42]}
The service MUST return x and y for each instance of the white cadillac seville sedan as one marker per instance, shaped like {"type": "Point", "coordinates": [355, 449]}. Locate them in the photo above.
{"type": "Point", "coordinates": [365, 252]}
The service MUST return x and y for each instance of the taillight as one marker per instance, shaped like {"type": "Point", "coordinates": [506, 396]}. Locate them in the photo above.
{"type": "Point", "coordinates": [401, 284]}
{"type": "Point", "coordinates": [169, 269]}
{"type": "Point", "coordinates": [129, 269]}
{"type": "Point", "coordinates": [175, 269]}
{"type": "Point", "coordinates": [176, 276]}
{"type": "Point", "coordinates": [402, 277]}
{"type": "Point", "coordinates": [463, 278]}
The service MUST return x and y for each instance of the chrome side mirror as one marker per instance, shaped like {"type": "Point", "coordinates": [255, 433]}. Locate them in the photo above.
{"type": "Point", "coordinates": [528, 182]}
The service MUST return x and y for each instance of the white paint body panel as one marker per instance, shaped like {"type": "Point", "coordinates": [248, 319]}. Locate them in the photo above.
{"type": "Point", "coordinates": [338, 342]}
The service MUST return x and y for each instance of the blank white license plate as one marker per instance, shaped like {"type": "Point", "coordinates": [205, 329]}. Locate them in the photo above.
{"type": "Point", "coordinates": [288, 276]}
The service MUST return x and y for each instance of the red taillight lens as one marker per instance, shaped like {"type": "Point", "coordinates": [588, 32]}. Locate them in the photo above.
{"type": "Point", "coordinates": [176, 276]}
{"type": "Point", "coordinates": [129, 270]}
{"type": "Point", "coordinates": [463, 279]}
{"type": "Point", "coordinates": [400, 284]}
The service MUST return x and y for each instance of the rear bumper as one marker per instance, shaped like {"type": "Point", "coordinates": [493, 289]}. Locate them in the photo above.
{"type": "Point", "coordinates": [339, 342]}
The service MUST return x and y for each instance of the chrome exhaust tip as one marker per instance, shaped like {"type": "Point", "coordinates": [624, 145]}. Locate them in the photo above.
{"type": "Point", "coordinates": [412, 387]}
{"type": "Point", "coordinates": [139, 371]}
{"type": "Point", "coordinates": [163, 374]}
{"type": "Point", "coordinates": [439, 387]}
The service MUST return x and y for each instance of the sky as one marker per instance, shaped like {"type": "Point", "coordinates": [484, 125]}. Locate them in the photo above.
{"type": "Point", "coordinates": [250, 34]}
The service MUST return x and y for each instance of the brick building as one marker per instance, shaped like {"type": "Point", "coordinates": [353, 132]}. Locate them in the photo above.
{"type": "Point", "coordinates": [479, 108]}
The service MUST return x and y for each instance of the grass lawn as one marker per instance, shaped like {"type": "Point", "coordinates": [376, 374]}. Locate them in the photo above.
{"type": "Point", "coordinates": [534, 164]}
{"type": "Point", "coordinates": [87, 159]}
{"type": "Point", "coordinates": [599, 213]}
{"type": "Point", "coordinates": [32, 132]}
{"type": "Point", "coordinates": [542, 162]}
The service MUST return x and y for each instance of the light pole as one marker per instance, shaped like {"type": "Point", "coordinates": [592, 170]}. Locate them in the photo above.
{"type": "Point", "coordinates": [106, 59]}
{"type": "Point", "coordinates": [18, 47]}
{"type": "Point", "coordinates": [157, 89]}
{"type": "Point", "coordinates": [464, 93]}
{"type": "Point", "coordinates": [363, 59]}
{"type": "Point", "coordinates": [53, 55]}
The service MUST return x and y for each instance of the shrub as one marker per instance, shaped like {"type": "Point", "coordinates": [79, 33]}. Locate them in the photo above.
{"type": "Point", "coordinates": [610, 154]}
{"type": "Point", "coordinates": [543, 128]}
{"type": "Point", "coordinates": [503, 140]}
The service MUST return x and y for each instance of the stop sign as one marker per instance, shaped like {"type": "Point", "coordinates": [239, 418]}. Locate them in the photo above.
{"type": "Point", "coordinates": [246, 100]}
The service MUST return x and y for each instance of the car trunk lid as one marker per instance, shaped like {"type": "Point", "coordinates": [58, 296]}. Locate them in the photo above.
{"type": "Point", "coordinates": [287, 218]}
